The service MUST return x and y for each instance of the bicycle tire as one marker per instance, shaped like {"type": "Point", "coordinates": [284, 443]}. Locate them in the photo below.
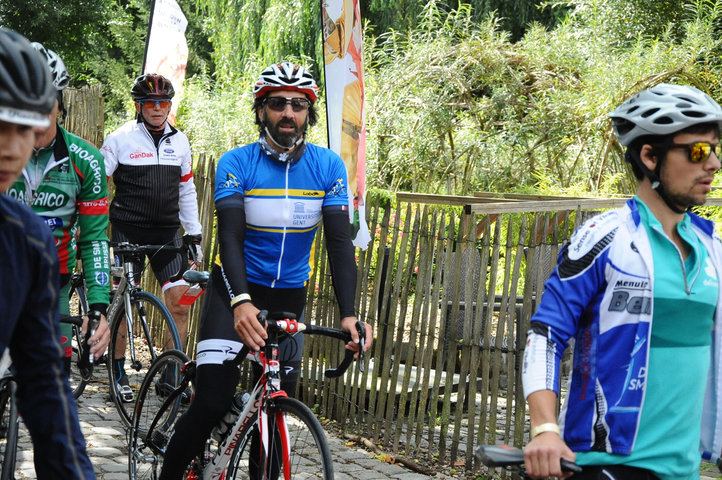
{"type": "Point", "coordinates": [10, 424]}
{"type": "Point", "coordinates": [310, 457]}
{"type": "Point", "coordinates": [143, 461]}
{"type": "Point", "coordinates": [147, 312]}
{"type": "Point", "coordinates": [78, 299]}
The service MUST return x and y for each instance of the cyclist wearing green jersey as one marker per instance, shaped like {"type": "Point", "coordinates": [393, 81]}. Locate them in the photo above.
{"type": "Point", "coordinates": [29, 289]}
{"type": "Point", "coordinates": [64, 182]}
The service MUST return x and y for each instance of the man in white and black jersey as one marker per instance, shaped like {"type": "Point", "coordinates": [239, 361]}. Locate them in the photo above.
{"type": "Point", "coordinates": [270, 196]}
{"type": "Point", "coordinates": [151, 166]}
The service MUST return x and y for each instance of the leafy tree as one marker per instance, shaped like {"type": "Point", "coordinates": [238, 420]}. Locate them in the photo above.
{"type": "Point", "coordinates": [101, 40]}
{"type": "Point", "coordinates": [513, 16]}
{"type": "Point", "coordinates": [262, 32]}
{"type": "Point", "coordinates": [456, 107]}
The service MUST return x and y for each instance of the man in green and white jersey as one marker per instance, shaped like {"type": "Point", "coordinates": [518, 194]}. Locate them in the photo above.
{"type": "Point", "coordinates": [64, 182]}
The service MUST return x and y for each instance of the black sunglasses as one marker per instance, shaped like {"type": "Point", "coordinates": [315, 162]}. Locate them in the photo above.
{"type": "Point", "coordinates": [278, 104]}
{"type": "Point", "coordinates": [699, 151]}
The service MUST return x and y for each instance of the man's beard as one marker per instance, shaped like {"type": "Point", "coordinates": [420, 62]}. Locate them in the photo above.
{"type": "Point", "coordinates": [285, 139]}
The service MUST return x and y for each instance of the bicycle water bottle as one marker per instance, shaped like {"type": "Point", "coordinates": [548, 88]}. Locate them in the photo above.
{"type": "Point", "coordinates": [221, 430]}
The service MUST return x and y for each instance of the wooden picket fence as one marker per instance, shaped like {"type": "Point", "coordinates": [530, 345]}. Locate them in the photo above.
{"type": "Point", "coordinates": [443, 375]}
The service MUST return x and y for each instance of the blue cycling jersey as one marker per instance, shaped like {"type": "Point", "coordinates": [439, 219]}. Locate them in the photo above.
{"type": "Point", "coordinates": [602, 293]}
{"type": "Point", "coordinates": [282, 203]}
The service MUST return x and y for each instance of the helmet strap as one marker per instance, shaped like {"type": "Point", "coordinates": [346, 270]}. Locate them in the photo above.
{"type": "Point", "coordinates": [284, 149]}
{"type": "Point", "coordinates": [656, 182]}
{"type": "Point", "coordinates": [148, 126]}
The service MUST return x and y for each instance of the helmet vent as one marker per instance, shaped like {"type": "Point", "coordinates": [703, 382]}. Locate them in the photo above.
{"type": "Point", "coordinates": [694, 114]}
{"type": "Point", "coordinates": [649, 113]}
{"type": "Point", "coordinates": [663, 121]}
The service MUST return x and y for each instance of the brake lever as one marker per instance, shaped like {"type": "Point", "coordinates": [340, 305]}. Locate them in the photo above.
{"type": "Point", "coordinates": [361, 330]}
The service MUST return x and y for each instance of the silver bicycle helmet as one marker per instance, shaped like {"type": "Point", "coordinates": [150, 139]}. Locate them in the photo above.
{"type": "Point", "coordinates": [286, 76]}
{"type": "Point", "coordinates": [662, 110]}
{"type": "Point", "coordinates": [27, 94]}
{"type": "Point", "coordinates": [61, 79]}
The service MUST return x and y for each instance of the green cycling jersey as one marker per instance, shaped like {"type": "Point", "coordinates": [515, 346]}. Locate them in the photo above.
{"type": "Point", "coordinates": [65, 183]}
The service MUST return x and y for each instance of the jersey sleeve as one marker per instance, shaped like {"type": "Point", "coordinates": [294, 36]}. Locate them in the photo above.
{"type": "Point", "coordinates": [229, 177]}
{"type": "Point", "coordinates": [337, 189]}
{"type": "Point", "coordinates": [44, 398]}
{"type": "Point", "coordinates": [570, 295]}
{"type": "Point", "coordinates": [110, 156]}
{"type": "Point", "coordinates": [188, 198]}
{"type": "Point", "coordinates": [92, 207]}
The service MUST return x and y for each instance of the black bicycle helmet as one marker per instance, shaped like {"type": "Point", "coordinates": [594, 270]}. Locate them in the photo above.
{"type": "Point", "coordinates": [27, 93]}
{"type": "Point", "coordinates": [59, 73]}
{"type": "Point", "coordinates": [152, 85]}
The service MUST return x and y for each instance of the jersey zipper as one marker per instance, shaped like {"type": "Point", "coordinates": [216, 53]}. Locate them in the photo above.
{"type": "Point", "coordinates": [285, 232]}
{"type": "Point", "coordinates": [687, 285]}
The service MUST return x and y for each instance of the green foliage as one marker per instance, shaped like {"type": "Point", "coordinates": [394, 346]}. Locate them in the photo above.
{"type": "Point", "coordinates": [514, 16]}
{"type": "Point", "coordinates": [249, 32]}
{"type": "Point", "coordinates": [101, 41]}
{"type": "Point", "coordinates": [455, 107]}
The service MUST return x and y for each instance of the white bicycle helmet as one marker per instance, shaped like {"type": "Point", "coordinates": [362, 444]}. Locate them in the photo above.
{"type": "Point", "coordinates": [662, 110]}
{"type": "Point", "coordinates": [286, 76]}
{"type": "Point", "coordinates": [61, 79]}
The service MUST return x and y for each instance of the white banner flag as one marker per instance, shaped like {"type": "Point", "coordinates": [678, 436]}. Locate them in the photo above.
{"type": "Point", "coordinates": [166, 51]}
{"type": "Point", "coordinates": [343, 52]}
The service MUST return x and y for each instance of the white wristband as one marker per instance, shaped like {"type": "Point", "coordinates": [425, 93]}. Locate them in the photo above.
{"type": "Point", "coordinates": [545, 427]}
{"type": "Point", "coordinates": [238, 299]}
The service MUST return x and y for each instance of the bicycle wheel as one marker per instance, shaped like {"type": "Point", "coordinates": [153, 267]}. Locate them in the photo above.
{"type": "Point", "coordinates": [9, 425]}
{"type": "Point", "coordinates": [79, 378]}
{"type": "Point", "coordinates": [290, 423]}
{"type": "Point", "coordinates": [145, 452]}
{"type": "Point", "coordinates": [153, 331]}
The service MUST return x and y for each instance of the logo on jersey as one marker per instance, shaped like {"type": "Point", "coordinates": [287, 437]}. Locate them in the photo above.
{"type": "Point", "coordinates": [102, 278]}
{"type": "Point", "coordinates": [50, 199]}
{"type": "Point", "coordinates": [138, 154]}
{"type": "Point", "coordinates": [231, 182]}
{"type": "Point", "coordinates": [53, 222]}
{"type": "Point", "coordinates": [338, 189]}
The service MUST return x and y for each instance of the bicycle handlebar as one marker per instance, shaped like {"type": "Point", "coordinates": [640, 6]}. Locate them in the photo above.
{"type": "Point", "coordinates": [76, 320]}
{"type": "Point", "coordinates": [126, 248]}
{"type": "Point", "coordinates": [506, 456]}
{"type": "Point", "coordinates": [280, 321]}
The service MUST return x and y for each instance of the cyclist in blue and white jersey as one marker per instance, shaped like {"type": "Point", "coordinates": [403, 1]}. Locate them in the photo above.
{"type": "Point", "coordinates": [638, 289]}
{"type": "Point", "coordinates": [30, 273]}
{"type": "Point", "coordinates": [271, 196]}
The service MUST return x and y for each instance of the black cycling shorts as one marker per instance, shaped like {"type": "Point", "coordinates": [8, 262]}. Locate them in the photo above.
{"type": "Point", "coordinates": [217, 337]}
{"type": "Point", "coordinates": [166, 264]}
